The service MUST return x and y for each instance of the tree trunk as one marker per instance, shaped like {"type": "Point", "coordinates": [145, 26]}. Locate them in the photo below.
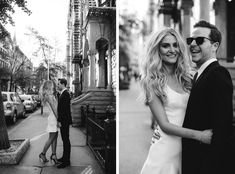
{"type": "Point", "coordinates": [10, 83]}
{"type": "Point", "coordinates": [4, 139]}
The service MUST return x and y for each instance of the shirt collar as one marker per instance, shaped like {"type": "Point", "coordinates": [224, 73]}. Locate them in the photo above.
{"type": "Point", "coordinates": [62, 91]}
{"type": "Point", "coordinates": [204, 65]}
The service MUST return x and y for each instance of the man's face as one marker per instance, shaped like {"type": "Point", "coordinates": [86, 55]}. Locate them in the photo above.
{"type": "Point", "coordinates": [201, 47]}
{"type": "Point", "coordinates": [59, 86]}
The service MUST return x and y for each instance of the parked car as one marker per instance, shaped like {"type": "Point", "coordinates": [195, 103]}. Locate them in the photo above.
{"type": "Point", "coordinates": [38, 100]}
{"type": "Point", "coordinates": [13, 106]}
{"type": "Point", "coordinates": [29, 102]}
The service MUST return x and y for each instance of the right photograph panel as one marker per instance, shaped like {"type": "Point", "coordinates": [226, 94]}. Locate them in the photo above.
{"type": "Point", "coordinates": [176, 76]}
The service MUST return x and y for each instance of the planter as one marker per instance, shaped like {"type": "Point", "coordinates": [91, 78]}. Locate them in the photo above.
{"type": "Point", "coordinates": [14, 154]}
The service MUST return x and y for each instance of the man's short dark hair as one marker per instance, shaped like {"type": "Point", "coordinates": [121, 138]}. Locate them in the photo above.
{"type": "Point", "coordinates": [214, 35]}
{"type": "Point", "coordinates": [63, 81]}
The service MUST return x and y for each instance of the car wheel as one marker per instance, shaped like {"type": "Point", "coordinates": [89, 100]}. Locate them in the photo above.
{"type": "Point", "coordinates": [13, 119]}
{"type": "Point", "coordinates": [24, 113]}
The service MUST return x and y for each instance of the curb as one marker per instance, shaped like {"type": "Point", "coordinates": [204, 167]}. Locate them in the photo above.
{"type": "Point", "coordinates": [15, 156]}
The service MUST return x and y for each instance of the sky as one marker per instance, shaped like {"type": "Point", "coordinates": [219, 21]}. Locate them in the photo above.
{"type": "Point", "coordinates": [49, 18]}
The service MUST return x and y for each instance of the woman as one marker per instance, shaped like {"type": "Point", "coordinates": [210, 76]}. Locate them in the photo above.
{"type": "Point", "coordinates": [48, 94]}
{"type": "Point", "coordinates": [166, 84]}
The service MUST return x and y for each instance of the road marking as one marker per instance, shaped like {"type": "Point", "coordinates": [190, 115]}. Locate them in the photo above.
{"type": "Point", "coordinates": [37, 137]}
{"type": "Point", "coordinates": [88, 170]}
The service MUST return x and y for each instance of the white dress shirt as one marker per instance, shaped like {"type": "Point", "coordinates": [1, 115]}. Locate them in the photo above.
{"type": "Point", "coordinates": [204, 65]}
{"type": "Point", "coordinates": [63, 91]}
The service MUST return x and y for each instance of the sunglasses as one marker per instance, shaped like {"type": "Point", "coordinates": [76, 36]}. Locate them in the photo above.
{"type": "Point", "coordinates": [199, 40]}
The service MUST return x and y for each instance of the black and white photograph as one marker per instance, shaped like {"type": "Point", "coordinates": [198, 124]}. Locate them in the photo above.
{"type": "Point", "coordinates": [176, 83]}
{"type": "Point", "coordinates": [117, 86]}
{"type": "Point", "coordinates": [58, 86]}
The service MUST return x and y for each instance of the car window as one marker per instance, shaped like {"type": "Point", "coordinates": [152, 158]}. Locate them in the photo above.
{"type": "Point", "coordinates": [17, 98]}
{"type": "Point", "coordinates": [4, 97]}
{"type": "Point", "coordinates": [25, 97]}
{"type": "Point", "coordinates": [12, 97]}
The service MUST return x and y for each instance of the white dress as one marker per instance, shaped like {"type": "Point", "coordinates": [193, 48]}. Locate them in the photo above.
{"type": "Point", "coordinates": [164, 155]}
{"type": "Point", "coordinates": [51, 120]}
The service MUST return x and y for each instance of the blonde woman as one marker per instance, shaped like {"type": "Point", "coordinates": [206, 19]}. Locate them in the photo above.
{"type": "Point", "coordinates": [49, 98]}
{"type": "Point", "coordinates": [166, 84]}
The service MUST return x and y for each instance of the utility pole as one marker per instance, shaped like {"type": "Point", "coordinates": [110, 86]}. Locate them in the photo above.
{"type": "Point", "coordinates": [48, 69]}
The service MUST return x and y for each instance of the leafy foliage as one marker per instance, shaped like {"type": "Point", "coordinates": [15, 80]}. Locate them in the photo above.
{"type": "Point", "coordinates": [7, 9]}
{"type": "Point", "coordinates": [41, 73]}
{"type": "Point", "coordinates": [127, 23]}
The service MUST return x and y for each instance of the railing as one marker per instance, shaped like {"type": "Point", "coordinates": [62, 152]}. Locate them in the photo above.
{"type": "Point", "coordinates": [101, 137]}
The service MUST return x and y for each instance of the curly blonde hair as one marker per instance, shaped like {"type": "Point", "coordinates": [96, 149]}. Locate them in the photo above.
{"type": "Point", "coordinates": [48, 87]}
{"type": "Point", "coordinates": [153, 71]}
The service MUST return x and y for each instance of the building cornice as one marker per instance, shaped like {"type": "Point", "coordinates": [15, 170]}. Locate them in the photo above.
{"type": "Point", "coordinates": [102, 12]}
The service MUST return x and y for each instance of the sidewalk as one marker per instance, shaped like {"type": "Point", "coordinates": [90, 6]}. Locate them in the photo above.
{"type": "Point", "coordinates": [33, 127]}
{"type": "Point", "coordinates": [134, 130]}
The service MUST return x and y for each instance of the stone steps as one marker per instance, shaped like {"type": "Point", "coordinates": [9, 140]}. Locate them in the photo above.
{"type": "Point", "coordinates": [99, 99]}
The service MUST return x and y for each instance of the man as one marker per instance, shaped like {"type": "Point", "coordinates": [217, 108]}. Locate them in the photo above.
{"type": "Point", "coordinates": [209, 107]}
{"type": "Point", "coordinates": [65, 119]}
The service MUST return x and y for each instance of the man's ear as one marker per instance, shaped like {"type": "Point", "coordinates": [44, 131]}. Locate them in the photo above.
{"type": "Point", "coordinates": [216, 46]}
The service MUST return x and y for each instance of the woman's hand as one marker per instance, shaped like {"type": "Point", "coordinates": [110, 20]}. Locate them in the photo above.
{"type": "Point", "coordinates": [156, 136]}
{"type": "Point", "coordinates": [46, 97]}
{"type": "Point", "coordinates": [206, 136]}
{"type": "Point", "coordinates": [58, 124]}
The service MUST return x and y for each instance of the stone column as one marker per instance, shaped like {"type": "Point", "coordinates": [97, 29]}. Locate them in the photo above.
{"type": "Point", "coordinates": [85, 70]}
{"type": "Point", "coordinates": [187, 8]}
{"type": "Point", "coordinates": [166, 10]}
{"type": "Point", "coordinates": [109, 64]}
{"type": "Point", "coordinates": [92, 75]}
{"type": "Point", "coordinates": [101, 63]}
{"type": "Point", "coordinates": [221, 24]}
{"type": "Point", "coordinates": [205, 10]}
{"type": "Point", "coordinates": [76, 79]}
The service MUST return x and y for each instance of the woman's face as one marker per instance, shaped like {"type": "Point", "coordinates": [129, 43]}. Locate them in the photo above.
{"type": "Point", "coordinates": [169, 49]}
{"type": "Point", "coordinates": [50, 88]}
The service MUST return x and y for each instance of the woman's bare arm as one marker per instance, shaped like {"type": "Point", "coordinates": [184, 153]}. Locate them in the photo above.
{"type": "Point", "coordinates": [53, 103]}
{"type": "Point", "coordinates": [159, 113]}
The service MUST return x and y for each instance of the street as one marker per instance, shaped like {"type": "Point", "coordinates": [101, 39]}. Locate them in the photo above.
{"type": "Point", "coordinates": [11, 126]}
{"type": "Point", "coordinates": [134, 130]}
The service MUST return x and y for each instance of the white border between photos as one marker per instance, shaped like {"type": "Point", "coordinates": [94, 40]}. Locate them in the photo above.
{"type": "Point", "coordinates": [117, 87]}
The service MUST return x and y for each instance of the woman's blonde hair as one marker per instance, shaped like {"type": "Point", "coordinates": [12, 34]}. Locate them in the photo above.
{"type": "Point", "coordinates": [153, 71]}
{"type": "Point", "coordinates": [47, 87]}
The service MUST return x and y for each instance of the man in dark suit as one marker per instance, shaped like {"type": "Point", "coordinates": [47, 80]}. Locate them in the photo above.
{"type": "Point", "coordinates": [209, 107]}
{"type": "Point", "coordinates": [65, 119]}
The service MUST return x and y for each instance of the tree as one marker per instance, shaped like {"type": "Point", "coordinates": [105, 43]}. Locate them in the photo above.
{"type": "Point", "coordinates": [126, 24]}
{"type": "Point", "coordinates": [48, 51]}
{"type": "Point", "coordinates": [41, 72]}
{"type": "Point", "coordinates": [17, 64]}
{"type": "Point", "coordinates": [6, 10]}
{"type": "Point", "coordinates": [4, 139]}
{"type": "Point", "coordinates": [24, 79]}
{"type": "Point", "coordinates": [44, 49]}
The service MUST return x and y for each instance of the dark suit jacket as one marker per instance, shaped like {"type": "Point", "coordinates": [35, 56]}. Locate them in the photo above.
{"type": "Point", "coordinates": [210, 107]}
{"type": "Point", "coordinates": [64, 111]}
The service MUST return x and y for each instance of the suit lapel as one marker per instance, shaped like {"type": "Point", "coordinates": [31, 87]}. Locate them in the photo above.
{"type": "Point", "coordinates": [62, 93]}
{"type": "Point", "coordinates": [208, 68]}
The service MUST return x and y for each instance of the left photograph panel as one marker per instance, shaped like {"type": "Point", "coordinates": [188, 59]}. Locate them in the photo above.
{"type": "Point", "coordinates": [58, 86]}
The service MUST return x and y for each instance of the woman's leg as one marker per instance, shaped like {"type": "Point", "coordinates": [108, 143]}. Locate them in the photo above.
{"type": "Point", "coordinates": [49, 141]}
{"type": "Point", "coordinates": [54, 143]}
